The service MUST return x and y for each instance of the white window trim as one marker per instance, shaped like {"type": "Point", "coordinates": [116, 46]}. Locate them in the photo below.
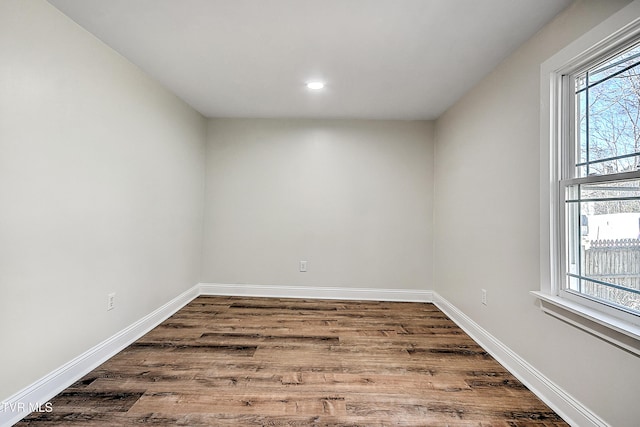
{"type": "Point", "coordinates": [619, 28]}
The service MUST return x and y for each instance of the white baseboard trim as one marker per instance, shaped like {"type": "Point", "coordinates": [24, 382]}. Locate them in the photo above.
{"type": "Point", "coordinates": [570, 409]}
{"type": "Point", "coordinates": [22, 403]}
{"type": "Point", "coordinates": [40, 392]}
{"type": "Point", "coordinates": [309, 292]}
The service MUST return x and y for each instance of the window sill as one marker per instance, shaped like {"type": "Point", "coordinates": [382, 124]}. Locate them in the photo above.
{"type": "Point", "coordinates": [618, 332]}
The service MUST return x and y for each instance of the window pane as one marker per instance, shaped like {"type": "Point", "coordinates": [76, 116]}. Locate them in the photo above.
{"type": "Point", "coordinates": [603, 246]}
{"type": "Point", "coordinates": [615, 65]}
{"type": "Point", "coordinates": [610, 197]}
{"type": "Point", "coordinates": [581, 130]}
{"type": "Point", "coordinates": [608, 116]}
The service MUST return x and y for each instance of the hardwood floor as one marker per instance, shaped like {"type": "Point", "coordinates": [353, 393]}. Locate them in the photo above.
{"type": "Point", "coordinates": [232, 361]}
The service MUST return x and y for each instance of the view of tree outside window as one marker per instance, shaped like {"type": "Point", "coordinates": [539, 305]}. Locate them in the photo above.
{"type": "Point", "coordinates": [602, 198]}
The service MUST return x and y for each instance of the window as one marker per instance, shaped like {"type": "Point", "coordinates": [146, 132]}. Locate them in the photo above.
{"type": "Point", "coordinates": [600, 183]}
{"type": "Point", "coordinates": [590, 161]}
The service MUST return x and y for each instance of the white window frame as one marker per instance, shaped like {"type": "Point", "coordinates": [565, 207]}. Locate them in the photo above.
{"type": "Point", "coordinates": [598, 319]}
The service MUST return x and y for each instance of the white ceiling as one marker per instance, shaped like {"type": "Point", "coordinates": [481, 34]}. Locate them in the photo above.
{"type": "Point", "coordinates": [380, 59]}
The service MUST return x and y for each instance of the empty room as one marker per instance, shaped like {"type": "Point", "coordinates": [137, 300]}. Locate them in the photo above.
{"type": "Point", "coordinates": [337, 212]}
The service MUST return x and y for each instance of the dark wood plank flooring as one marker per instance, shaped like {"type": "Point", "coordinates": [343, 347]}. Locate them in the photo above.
{"type": "Point", "coordinates": [233, 361]}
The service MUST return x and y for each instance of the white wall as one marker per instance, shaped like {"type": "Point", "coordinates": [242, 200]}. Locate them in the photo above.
{"type": "Point", "coordinates": [353, 198]}
{"type": "Point", "coordinates": [101, 188]}
{"type": "Point", "coordinates": [487, 224]}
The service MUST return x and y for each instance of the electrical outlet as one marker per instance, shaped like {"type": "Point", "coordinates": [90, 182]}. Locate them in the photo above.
{"type": "Point", "coordinates": [484, 297]}
{"type": "Point", "coordinates": [303, 266]}
{"type": "Point", "coordinates": [111, 301]}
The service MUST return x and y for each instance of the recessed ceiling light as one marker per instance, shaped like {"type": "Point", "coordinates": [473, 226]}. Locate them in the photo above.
{"type": "Point", "coordinates": [315, 85]}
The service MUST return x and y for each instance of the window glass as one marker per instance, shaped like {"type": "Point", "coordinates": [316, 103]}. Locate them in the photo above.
{"type": "Point", "coordinates": [608, 116]}
{"type": "Point", "coordinates": [603, 251]}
